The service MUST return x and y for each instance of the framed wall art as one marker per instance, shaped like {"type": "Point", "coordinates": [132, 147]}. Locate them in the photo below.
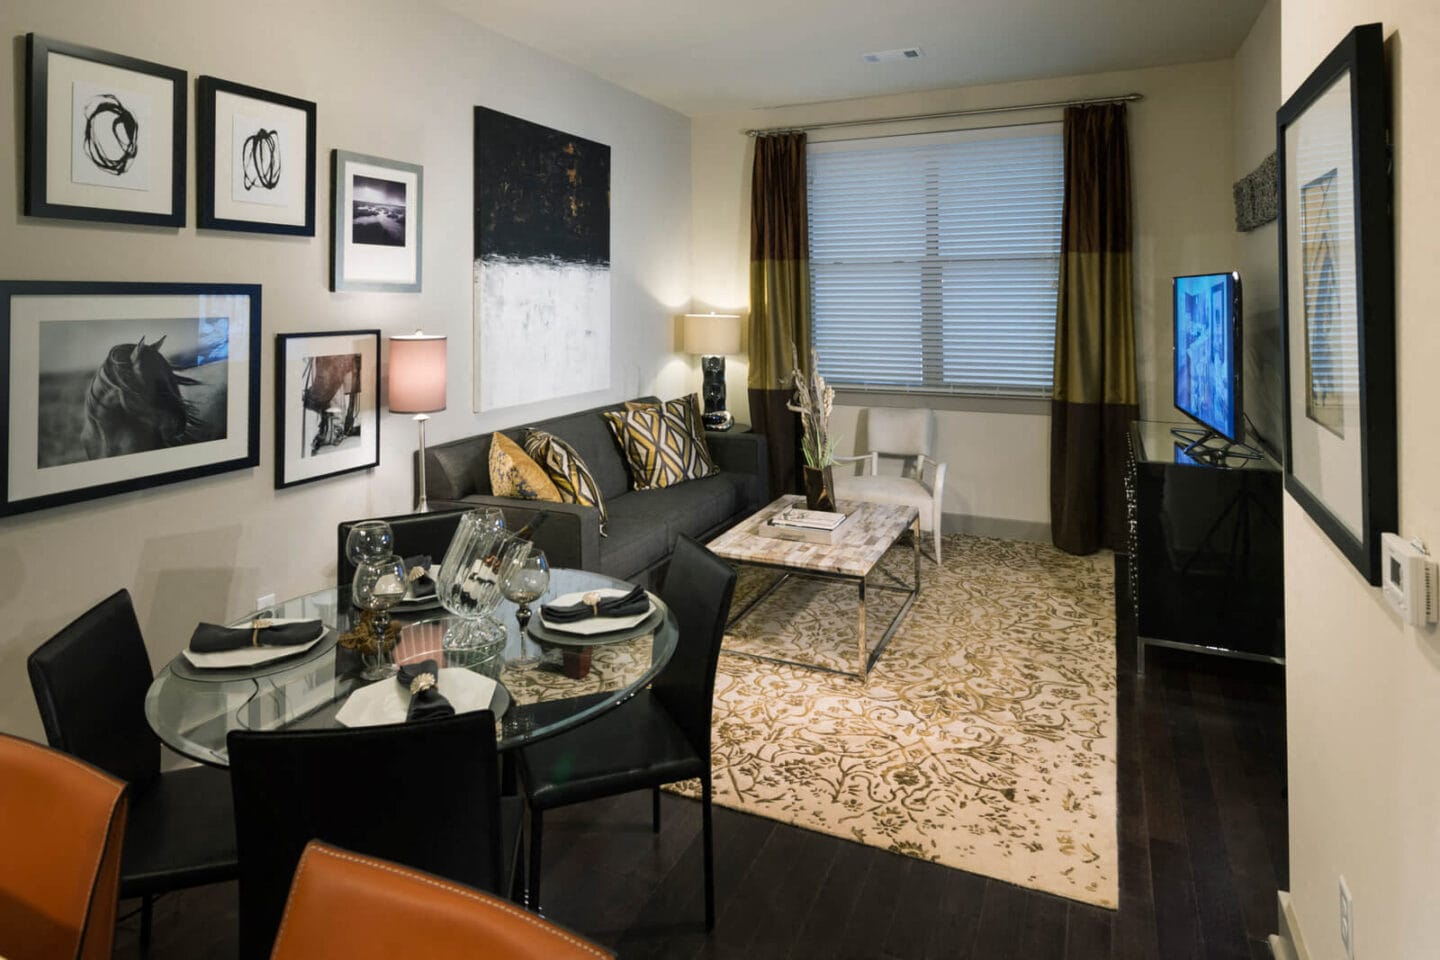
{"type": "Point", "coordinates": [375, 223]}
{"type": "Point", "coordinates": [112, 387]}
{"type": "Point", "coordinates": [327, 402]}
{"type": "Point", "coordinates": [255, 159]}
{"type": "Point", "coordinates": [1337, 297]}
{"type": "Point", "coordinates": [104, 136]}
{"type": "Point", "coordinates": [542, 251]}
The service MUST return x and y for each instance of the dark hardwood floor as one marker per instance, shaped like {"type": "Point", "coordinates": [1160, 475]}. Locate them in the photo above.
{"type": "Point", "coordinates": [1202, 851]}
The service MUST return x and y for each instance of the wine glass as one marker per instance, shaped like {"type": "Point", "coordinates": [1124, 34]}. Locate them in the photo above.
{"type": "Point", "coordinates": [378, 585]}
{"type": "Point", "coordinates": [369, 540]}
{"type": "Point", "coordinates": [525, 582]}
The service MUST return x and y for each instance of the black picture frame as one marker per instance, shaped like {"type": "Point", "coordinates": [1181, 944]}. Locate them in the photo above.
{"type": "Point", "coordinates": [300, 454]}
{"type": "Point", "coordinates": [285, 115]}
{"type": "Point", "coordinates": [70, 431]}
{"type": "Point", "coordinates": [1335, 238]}
{"type": "Point", "coordinates": [51, 185]}
{"type": "Point", "coordinates": [362, 256]}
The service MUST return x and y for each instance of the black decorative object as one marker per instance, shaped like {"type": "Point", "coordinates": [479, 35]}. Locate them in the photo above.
{"type": "Point", "coordinates": [1256, 200]}
{"type": "Point", "coordinates": [819, 488]}
{"type": "Point", "coordinates": [255, 159]}
{"type": "Point", "coordinates": [104, 136]}
{"type": "Point", "coordinates": [1337, 295]}
{"type": "Point", "coordinates": [327, 393]}
{"type": "Point", "coordinates": [113, 387]}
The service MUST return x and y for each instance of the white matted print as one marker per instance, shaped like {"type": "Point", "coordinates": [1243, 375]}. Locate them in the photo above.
{"type": "Point", "coordinates": [326, 404]}
{"type": "Point", "coordinates": [376, 223]}
{"type": "Point", "coordinates": [256, 158]}
{"type": "Point", "coordinates": [108, 125]}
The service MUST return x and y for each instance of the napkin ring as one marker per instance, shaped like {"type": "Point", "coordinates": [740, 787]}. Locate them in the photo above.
{"type": "Point", "coordinates": [255, 627]}
{"type": "Point", "coordinates": [592, 600]}
{"type": "Point", "coordinates": [415, 573]}
{"type": "Point", "coordinates": [421, 683]}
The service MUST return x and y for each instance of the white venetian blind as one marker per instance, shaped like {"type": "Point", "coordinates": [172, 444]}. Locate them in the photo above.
{"type": "Point", "coordinates": [934, 260]}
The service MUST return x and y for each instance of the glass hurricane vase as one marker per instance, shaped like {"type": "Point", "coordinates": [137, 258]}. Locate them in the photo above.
{"type": "Point", "coordinates": [469, 587]}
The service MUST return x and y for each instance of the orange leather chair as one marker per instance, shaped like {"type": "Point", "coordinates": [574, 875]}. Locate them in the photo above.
{"type": "Point", "coordinates": [344, 905]}
{"type": "Point", "coordinates": [62, 824]}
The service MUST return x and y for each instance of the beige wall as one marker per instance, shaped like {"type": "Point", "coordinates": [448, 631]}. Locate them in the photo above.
{"type": "Point", "coordinates": [1181, 160]}
{"type": "Point", "coordinates": [1363, 690]}
{"type": "Point", "coordinates": [392, 78]}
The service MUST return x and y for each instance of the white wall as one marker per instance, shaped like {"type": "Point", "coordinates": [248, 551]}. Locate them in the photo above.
{"type": "Point", "coordinates": [1180, 139]}
{"type": "Point", "coordinates": [392, 78]}
{"type": "Point", "coordinates": [1363, 690]}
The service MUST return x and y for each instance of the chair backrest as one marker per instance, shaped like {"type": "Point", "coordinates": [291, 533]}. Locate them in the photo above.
{"type": "Point", "coordinates": [90, 681]}
{"type": "Point", "coordinates": [415, 533]}
{"type": "Point", "coordinates": [393, 911]}
{"type": "Point", "coordinates": [698, 589]}
{"type": "Point", "coordinates": [62, 829]}
{"type": "Point", "coordinates": [901, 431]}
{"type": "Point", "coordinates": [425, 794]}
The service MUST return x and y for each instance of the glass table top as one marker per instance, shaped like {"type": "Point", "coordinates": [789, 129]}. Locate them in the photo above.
{"type": "Point", "coordinates": [192, 715]}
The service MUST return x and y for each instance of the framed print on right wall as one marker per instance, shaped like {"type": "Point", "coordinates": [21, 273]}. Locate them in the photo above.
{"type": "Point", "coordinates": [1337, 297]}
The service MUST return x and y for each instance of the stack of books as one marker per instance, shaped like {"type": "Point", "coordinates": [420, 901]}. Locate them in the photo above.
{"type": "Point", "coordinates": [810, 526]}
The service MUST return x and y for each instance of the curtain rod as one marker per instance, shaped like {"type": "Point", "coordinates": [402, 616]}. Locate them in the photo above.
{"type": "Point", "coordinates": [974, 111]}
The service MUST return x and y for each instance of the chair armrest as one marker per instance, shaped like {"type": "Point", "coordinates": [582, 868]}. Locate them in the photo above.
{"type": "Point", "coordinates": [570, 536]}
{"type": "Point", "coordinates": [743, 453]}
{"type": "Point", "coordinates": [872, 456]}
{"type": "Point", "coordinates": [937, 485]}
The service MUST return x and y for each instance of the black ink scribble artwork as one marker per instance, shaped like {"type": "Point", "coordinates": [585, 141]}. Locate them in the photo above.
{"type": "Point", "coordinates": [377, 212]}
{"type": "Point", "coordinates": [260, 159]}
{"type": "Point", "coordinates": [112, 134]}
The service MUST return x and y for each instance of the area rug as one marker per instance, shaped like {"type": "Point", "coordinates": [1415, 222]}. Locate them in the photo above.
{"type": "Point", "coordinates": [984, 738]}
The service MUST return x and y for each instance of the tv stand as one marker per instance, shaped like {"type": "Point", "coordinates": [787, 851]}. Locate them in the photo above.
{"type": "Point", "coordinates": [1213, 448]}
{"type": "Point", "coordinates": [1206, 552]}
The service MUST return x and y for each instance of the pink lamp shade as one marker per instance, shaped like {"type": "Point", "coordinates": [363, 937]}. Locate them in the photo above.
{"type": "Point", "coordinates": [417, 373]}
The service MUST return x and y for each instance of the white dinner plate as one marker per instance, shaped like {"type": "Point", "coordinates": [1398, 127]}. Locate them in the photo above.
{"type": "Point", "coordinates": [386, 701]}
{"type": "Point", "coordinates": [593, 625]}
{"type": "Point", "coordinates": [251, 656]}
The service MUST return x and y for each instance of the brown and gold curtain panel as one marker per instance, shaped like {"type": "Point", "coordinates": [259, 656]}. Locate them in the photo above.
{"type": "Point", "coordinates": [1095, 393]}
{"type": "Point", "coordinates": [779, 298]}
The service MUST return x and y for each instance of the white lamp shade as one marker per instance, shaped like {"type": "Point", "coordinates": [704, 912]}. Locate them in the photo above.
{"type": "Point", "coordinates": [712, 334]}
{"type": "Point", "coordinates": [417, 374]}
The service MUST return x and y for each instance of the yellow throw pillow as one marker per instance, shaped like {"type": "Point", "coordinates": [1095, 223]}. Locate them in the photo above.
{"type": "Point", "coordinates": [664, 444]}
{"type": "Point", "coordinates": [571, 477]}
{"type": "Point", "coordinates": [514, 474]}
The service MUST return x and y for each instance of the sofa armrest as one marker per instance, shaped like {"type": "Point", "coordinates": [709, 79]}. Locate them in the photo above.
{"type": "Point", "coordinates": [570, 536]}
{"type": "Point", "coordinates": [744, 453]}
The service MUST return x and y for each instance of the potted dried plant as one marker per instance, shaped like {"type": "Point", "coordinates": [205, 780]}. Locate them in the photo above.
{"type": "Point", "coordinates": [813, 400]}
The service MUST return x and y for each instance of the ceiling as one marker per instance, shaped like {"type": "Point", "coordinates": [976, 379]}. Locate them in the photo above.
{"type": "Point", "coordinates": [702, 57]}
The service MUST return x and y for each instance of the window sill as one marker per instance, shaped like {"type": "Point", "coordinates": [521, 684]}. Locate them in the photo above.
{"type": "Point", "coordinates": [965, 402]}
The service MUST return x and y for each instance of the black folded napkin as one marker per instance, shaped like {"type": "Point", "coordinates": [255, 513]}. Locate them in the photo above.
{"type": "Point", "coordinates": [423, 681]}
{"type": "Point", "coordinates": [632, 603]}
{"type": "Point", "coordinates": [421, 584]}
{"type": "Point", "coordinates": [210, 638]}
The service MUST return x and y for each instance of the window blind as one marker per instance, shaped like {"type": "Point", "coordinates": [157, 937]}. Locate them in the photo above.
{"type": "Point", "coordinates": [934, 260]}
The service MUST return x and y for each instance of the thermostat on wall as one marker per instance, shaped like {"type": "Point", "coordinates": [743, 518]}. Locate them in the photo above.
{"type": "Point", "coordinates": [1410, 582]}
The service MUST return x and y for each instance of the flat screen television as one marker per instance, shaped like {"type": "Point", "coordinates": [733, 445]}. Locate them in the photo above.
{"type": "Point", "coordinates": [1208, 352]}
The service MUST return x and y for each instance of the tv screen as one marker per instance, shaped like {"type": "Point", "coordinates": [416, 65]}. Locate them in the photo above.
{"type": "Point", "coordinates": [1208, 352]}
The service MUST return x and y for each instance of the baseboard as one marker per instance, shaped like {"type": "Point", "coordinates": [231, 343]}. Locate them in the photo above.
{"type": "Point", "coordinates": [1002, 528]}
{"type": "Point", "coordinates": [1287, 944]}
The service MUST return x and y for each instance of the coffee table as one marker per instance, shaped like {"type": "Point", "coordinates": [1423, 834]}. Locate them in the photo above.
{"type": "Point", "coordinates": [869, 530]}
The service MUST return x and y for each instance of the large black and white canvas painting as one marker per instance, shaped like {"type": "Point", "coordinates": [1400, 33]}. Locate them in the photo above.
{"type": "Point", "coordinates": [326, 402]}
{"type": "Point", "coordinates": [104, 136]}
{"type": "Point", "coordinates": [542, 262]}
{"type": "Point", "coordinates": [255, 153]}
{"type": "Point", "coordinates": [113, 387]}
{"type": "Point", "coordinates": [375, 223]}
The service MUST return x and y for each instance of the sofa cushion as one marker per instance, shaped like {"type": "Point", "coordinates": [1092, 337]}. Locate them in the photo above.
{"type": "Point", "coordinates": [588, 436]}
{"type": "Point", "coordinates": [633, 543]}
{"type": "Point", "coordinates": [660, 445]}
{"type": "Point", "coordinates": [693, 508]}
{"type": "Point", "coordinates": [567, 470]}
{"type": "Point", "coordinates": [514, 474]}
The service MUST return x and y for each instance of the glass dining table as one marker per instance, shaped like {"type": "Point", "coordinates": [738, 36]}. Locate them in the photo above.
{"type": "Point", "coordinates": [193, 710]}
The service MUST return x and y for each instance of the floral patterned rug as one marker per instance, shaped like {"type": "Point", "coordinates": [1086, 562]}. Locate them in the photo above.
{"type": "Point", "coordinates": [984, 738]}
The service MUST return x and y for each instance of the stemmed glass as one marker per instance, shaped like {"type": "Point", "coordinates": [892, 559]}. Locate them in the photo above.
{"type": "Point", "coordinates": [379, 584]}
{"type": "Point", "coordinates": [369, 540]}
{"type": "Point", "coordinates": [525, 582]}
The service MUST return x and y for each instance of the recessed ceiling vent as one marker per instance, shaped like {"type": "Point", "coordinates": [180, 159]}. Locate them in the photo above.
{"type": "Point", "coordinates": [891, 56]}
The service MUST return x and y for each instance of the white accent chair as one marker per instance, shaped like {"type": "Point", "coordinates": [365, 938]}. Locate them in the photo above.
{"type": "Point", "coordinates": [910, 435]}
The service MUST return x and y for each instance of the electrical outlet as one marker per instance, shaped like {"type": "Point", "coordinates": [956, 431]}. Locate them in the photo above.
{"type": "Point", "coordinates": [265, 602]}
{"type": "Point", "coordinates": [1347, 920]}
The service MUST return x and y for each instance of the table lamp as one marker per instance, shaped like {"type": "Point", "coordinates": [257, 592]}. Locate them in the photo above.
{"type": "Point", "coordinates": [417, 385]}
{"type": "Point", "coordinates": [712, 335]}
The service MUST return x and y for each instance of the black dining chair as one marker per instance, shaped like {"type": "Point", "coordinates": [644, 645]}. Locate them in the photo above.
{"type": "Point", "coordinates": [415, 533]}
{"type": "Point", "coordinates": [90, 681]}
{"type": "Point", "coordinates": [424, 794]}
{"type": "Point", "coordinates": [659, 736]}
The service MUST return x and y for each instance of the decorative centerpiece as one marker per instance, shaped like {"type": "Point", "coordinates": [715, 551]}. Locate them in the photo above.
{"type": "Point", "coordinates": [476, 564]}
{"type": "Point", "coordinates": [813, 400]}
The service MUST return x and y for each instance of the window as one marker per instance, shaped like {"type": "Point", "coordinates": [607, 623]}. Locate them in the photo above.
{"type": "Point", "coordinates": [934, 260]}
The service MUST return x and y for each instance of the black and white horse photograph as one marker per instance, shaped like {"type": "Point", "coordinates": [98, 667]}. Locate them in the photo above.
{"type": "Point", "coordinates": [330, 399]}
{"type": "Point", "coordinates": [111, 388]}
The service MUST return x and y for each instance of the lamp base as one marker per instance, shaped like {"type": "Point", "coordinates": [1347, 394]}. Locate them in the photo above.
{"type": "Point", "coordinates": [422, 503]}
{"type": "Point", "coordinates": [717, 420]}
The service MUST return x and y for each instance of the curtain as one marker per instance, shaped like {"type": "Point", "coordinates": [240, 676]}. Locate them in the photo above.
{"type": "Point", "coordinates": [779, 298]}
{"type": "Point", "coordinates": [1095, 395]}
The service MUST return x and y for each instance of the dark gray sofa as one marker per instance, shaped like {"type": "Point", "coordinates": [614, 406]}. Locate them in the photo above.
{"type": "Point", "coordinates": [643, 524]}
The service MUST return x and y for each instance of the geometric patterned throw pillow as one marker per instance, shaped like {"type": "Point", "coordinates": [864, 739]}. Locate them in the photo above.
{"type": "Point", "coordinates": [514, 474]}
{"type": "Point", "coordinates": [567, 471]}
{"type": "Point", "coordinates": [661, 443]}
